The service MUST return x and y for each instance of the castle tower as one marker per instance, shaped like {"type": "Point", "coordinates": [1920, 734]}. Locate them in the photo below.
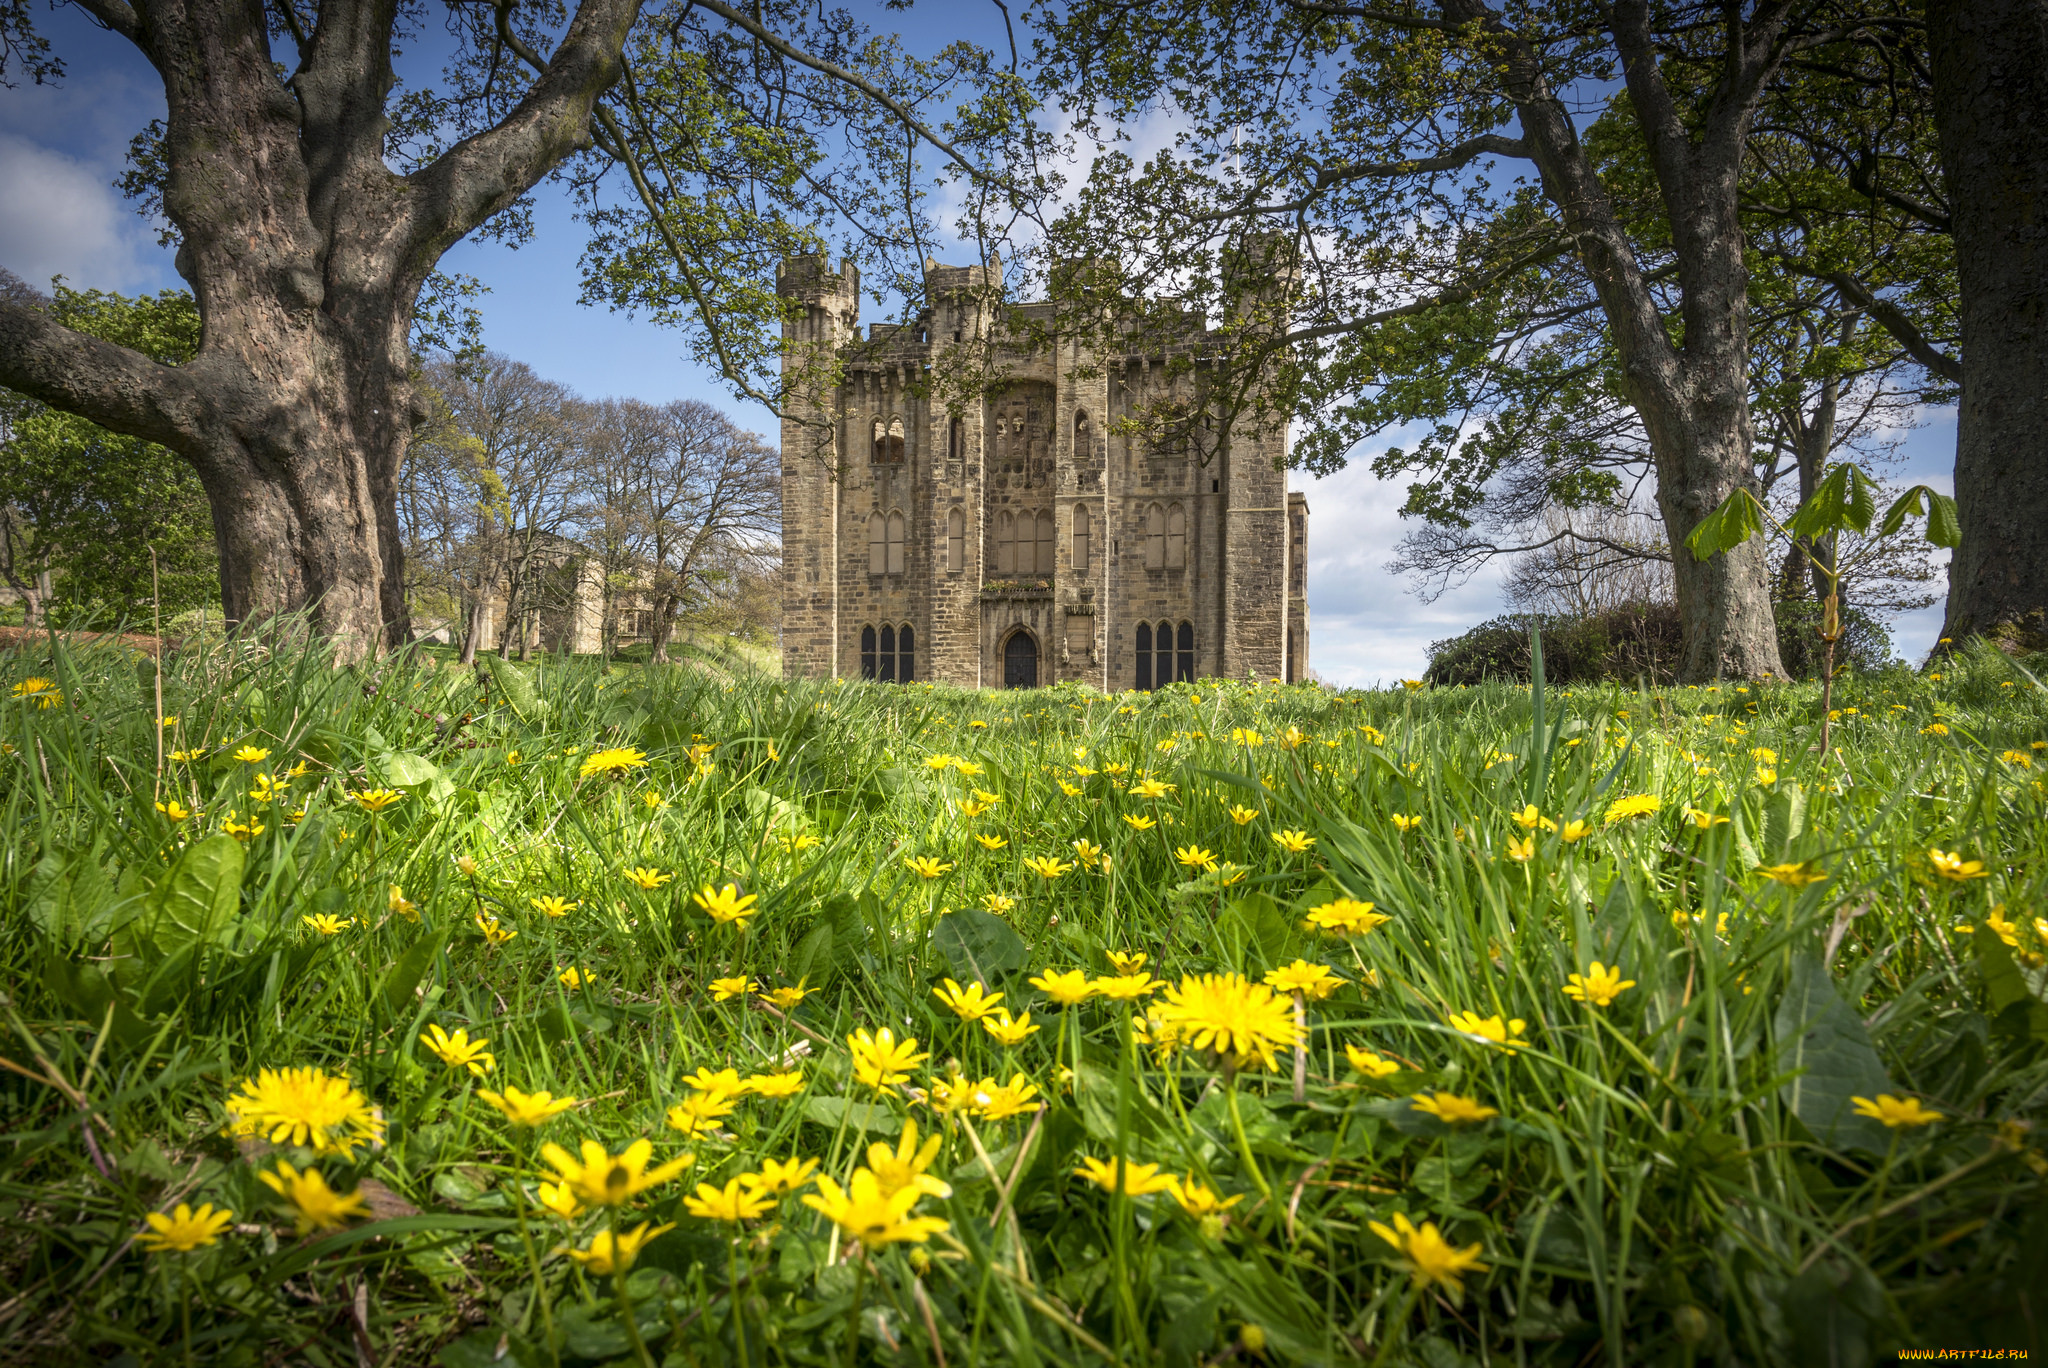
{"type": "Point", "coordinates": [823, 314]}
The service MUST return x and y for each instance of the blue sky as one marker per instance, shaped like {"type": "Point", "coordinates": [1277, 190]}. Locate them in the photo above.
{"type": "Point", "coordinates": [62, 146]}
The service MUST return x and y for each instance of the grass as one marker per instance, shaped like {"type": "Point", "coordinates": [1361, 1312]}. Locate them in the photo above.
{"type": "Point", "coordinates": [1676, 1176]}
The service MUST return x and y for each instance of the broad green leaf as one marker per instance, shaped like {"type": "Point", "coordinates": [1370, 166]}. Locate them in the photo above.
{"type": "Point", "coordinates": [197, 899]}
{"type": "Point", "coordinates": [1943, 527]}
{"type": "Point", "coordinates": [1841, 502]}
{"type": "Point", "coordinates": [1784, 819]}
{"type": "Point", "coordinates": [69, 896]}
{"type": "Point", "coordinates": [979, 945]}
{"type": "Point", "coordinates": [408, 770]}
{"type": "Point", "coordinates": [405, 975]}
{"type": "Point", "coordinates": [1252, 934]}
{"type": "Point", "coordinates": [512, 685]}
{"type": "Point", "coordinates": [1737, 520]}
{"type": "Point", "coordinates": [1821, 1041]}
{"type": "Point", "coordinates": [833, 1112]}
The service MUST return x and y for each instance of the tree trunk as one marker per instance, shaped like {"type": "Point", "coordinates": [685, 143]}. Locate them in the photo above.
{"type": "Point", "coordinates": [664, 627]}
{"type": "Point", "coordinates": [1990, 69]}
{"type": "Point", "coordinates": [473, 634]}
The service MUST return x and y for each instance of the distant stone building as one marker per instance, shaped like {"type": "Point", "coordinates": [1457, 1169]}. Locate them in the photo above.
{"type": "Point", "coordinates": [1020, 543]}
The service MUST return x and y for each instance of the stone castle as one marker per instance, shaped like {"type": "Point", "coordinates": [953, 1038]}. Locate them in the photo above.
{"type": "Point", "coordinates": [1024, 540]}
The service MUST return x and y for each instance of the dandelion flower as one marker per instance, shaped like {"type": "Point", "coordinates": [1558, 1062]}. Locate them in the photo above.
{"type": "Point", "coordinates": [1429, 1256]}
{"type": "Point", "coordinates": [185, 1229]}
{"type": "Point", "coordinates": [605, 1179]}
{"type": "Point", "coordinates": [1895, 1112]}
{"type": "Point", "coordinates": [1313, 981]}
{"type": "Point", "coordinates": [727, 906]}
{"type": "Point", "coordinates": [1231, 1015]}
{"type": "Point", "coordinates": [735, 1202]}
{"type": "Point", "coordinates": [1135, 1180]}
{"type": "Point", "coordinates": [305, 1106]}
{"type": "Point", "coordinates": [1452, 1109]}
{"type": "Point", "coordinates": [1636, 805]}
{"type": "Point", "coordinates": [862, 1211]}
{"type": "Point", "coordinates": [1065, 988]}
{"type": "Point", "coordinates": [314, 1205]}
{"type": "Point", "coordinates": [880, 1061]}
{"type": "Point", "coordinates": [458, 1051]}
{"type": "Point", "coordinates": [616, 759]}
{"type": "Point", "coordinates": [526, 1108]}
{"type": "Point", "coordinates": [606, 1257]}
{"type": "Point", "coordinates": [44, 693]}
{"type": "Point", "coordinates": [969, 1004]}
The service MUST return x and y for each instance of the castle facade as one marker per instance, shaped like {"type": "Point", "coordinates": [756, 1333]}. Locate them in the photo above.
{"type": "Point", "coordinates": [1025, 540]}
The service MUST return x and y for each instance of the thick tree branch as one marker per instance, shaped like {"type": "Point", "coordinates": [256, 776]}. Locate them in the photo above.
{"type": "Point", "coordinates": [117, 15]}
{"type": "Point", "coordinates": [1457, 294]}
{"type": "Point", "coordinates": [1886, 315]}
{"type": "Point", "coordinates": [120, 389]}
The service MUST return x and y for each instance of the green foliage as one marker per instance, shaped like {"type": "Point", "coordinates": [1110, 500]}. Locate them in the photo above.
{"type": "Point", "coordinates": [1682, 1171]}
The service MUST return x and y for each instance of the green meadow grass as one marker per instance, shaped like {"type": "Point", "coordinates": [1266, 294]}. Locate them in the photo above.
{"type": "Point", "coordinates": [1678, 1176]}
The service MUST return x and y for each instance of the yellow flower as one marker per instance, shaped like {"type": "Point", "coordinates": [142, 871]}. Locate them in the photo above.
{"type": "Point", "coordinates": [1895, 1111]}
{"type": "Point", "coordinates": [2004, 928]}
{"type": "Point", "coordinates": [376, 800]}
{"type": "Point", "coordinates": [1125, 963]}
{"type": "Point", "coordinates": [904, 1166]}
{"type": "Point", "coordinates": [1066, 988]}
{"type": "Point", "coordinates": [969, 1004]}
{"type": "Point", "coordinates": [862, 1211]}
{"type": "Point", "coordinates": [186, 756]}
{"type": "Point", "coordinates": [1370, 1064]}
{"type": "Point", "coordinates": [1313, 981]}
{"type": "Point", "coordinates": [1429, 1256]}
{"type": "Point", "coordinates": [1766, 775]}
{"type": "Point", "coordinates": [1951, 865]}
{"type": "Point", "coordinates": [605, 1179]}
{"type": "Point", "coordinates": [458, 1051]}
{"type": "Point", "coordinates": [248, 755]}
{"type": "Point", "coordinates": [1793, 875]}
{"type": "Point", "coordinates": [939, 761]}
{"type": "Point", "coordinates": [1704, 820]}
{"type": "Point", "coordinates": [1405, 823]}
{"type": "Point", "coordinates": [1231, 1015]}
{"type": "Point", "coordinates": [1451, 1108]}
{"type": "Point", "coordinates": [647, 878]}
{"type": "Point", "coordinates": [1636, 805]}
{"type": "Point", "coordinates": [700, 1113]}
{"type": "Point", "coordinates": [788, 998]}
{"type": "Point", "coordinates": [970, 808]}
{"type": "Point", "coordinates": [305, 1107]}
{"type": "Point", "coordinates": [983, 796]}
{"type": "Point", "coordinates": [526, 1108]}
{"type": "Point", "coordinates": [990, 842]}
{"type": "Point", "coordinates": [1008, 1030]}
{"type": "Point", "coordinates": [716, 1082]}
{"type": "Point", "coordinates": [1293, 842]}
{"type": "Point", "coordinates": [1574, 831]}
{"type": "Point", "coordinates": [2017, 758]}
{"type": "Point", "coordinates": [1934, 728]}
{"type": "Point", "coordinates": [653, 801]}
{"type": "Point", "coordinates": [238, 830]}
{"type": "Point", "coordinates": [184, 1230]}
{"type": "Point", "coordinates": [1599, 986]}
{"type": "Point", "coordinates": [44, 693]}
{"type": "Point", "coordinates": [1047, 867]}
{"type": "Point", "coordinates": [1140, 823]}
{"type": "Point", "coordinates": [1125, 987]}
{"type": "Point", "coordinates": [1529, 819]}
{"type": "Point", "coordinates": [606, 1257]}
{"type": "Point", "coordinates": [1346, 916]}
{"type": "Point", "coordinates": [1087, 853]}
{"type": "Point", "coordinates": [1494, 1030]}
{"type": "Point", "coordinates": [328, 924]}
{"type": "Point", "coordinates": [723, 989]}
{"type": "Point", "coordinates": [399, 906]}
{"type": "Point", "coordinates": [736, 1201]}
{"type": "Point", "coordinates": [315, 1205]}
{"type": "Point", "coordinates": [1413, 684]}
{"type": "Point", "coordinates": [494, 933]}
{"type": "Point", "coordinates": [614, 759]}
{"type": "Point", "coordinates": [573, 978]}
{"type": "Point", "coordinates": [1001, 1101]}
{"type": "Point", "coordinates": [1148, 788]}
{"type": "Point", "coordinates": [553, 906]}
{"type": "Point", "coordinates": [879, 1061]}
{"type": "Point", "coordinates": [174, 811]}
{"type": "Point", "coordinates": [1135, 1180]}
{"type": "Point", "coordinates": [1194, 857]}
{"type": "Point", "coordinates": [726, 906]}
{"type": "Point", "coordinates": [926, 866]}
{"type": "Point", "coordinates": [1071, 790]}
{"type": "Point", "coordinates": [1198, 1199]}
{"type": "Point", "coordinates": [781, 1175]}
{"type": "Point", "coordinates": [774, 1085]}
{"type": "Point", "coordinates": [1523, 850]}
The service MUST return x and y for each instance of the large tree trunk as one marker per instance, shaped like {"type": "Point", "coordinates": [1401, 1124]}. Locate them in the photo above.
{"type": "Point", "coordinates": [1990, 60]}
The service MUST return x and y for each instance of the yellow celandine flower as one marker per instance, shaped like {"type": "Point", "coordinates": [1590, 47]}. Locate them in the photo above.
{"type": "Point", "coordinates": [1797, 874]}
{"type": "Point", "coordinates": [954, 1094]}
{"type": "Point", "coordinates": [187, 756]}
{"type": "Point", "coordinates": [724, 989]}
{"type": "Point", "coordinates": [2002, 927]}
{"type": "Point", "coordinates": [647, 878]}
{"type": "Point", "coordinates": [1088, 853]}
{"type": "Point", "coordinates": [458, 1051]}
{"type": "Point", "coordinates": [1126, 987]}
{"type": "Point", "coordinates": [1895, 1112]}
{"type": "Point", "coordinates": [983, 796]}
{"type": "Point", "coordinates": [252, 755]}
{"type": "Point", "coordinates": [1047, 866]}
{"type": "Point", "coordinates": [1293, 842]}
{"type": "Point", "coordinates": [239, 830]}
{"type": "Point", "coordinates": [184, 1229]}
{"type": "Point", "coordinates": [607, 1257]}
{"type": "Point", "coordinates": [573, 978]}
{"type": "Point", "coordinates": [526, 1108]}
{"type": "Point", "coordinates": [1198, 1199]}
{"type": "Point", "coordinates": [1704, 820]}
{"type": "Point", "coordinates": [558, 1198]}
{"type": "Point", "coordinates": [1001, 1101]}
{"type": "Point", "coordinates": [1452, 1109]}
{"type": "Point", "coordinates": [1243, 815]}
{"type": "Point", "coordinates": [864, 1213]}
{"type": "Point", "coordinates": [926, 866]}
{"type": "Point", "coordinates": [1430, 1257]}
{"type": "Point", "coordinates": [1240, 736]}
{"type": "Point", "coordinates": [904, 1166]}
{"type": "Point", "coordinates": [376, 800]}
{"type": "Point", "coordinates": [735, 1202]}
{"type": "Point", "coordinates": [400, 906]}
{"type": "Point", "coordinates": [328, 924]}
{"type": "Point", "coordinates": [269, 788]}
{"type": "Point", "coordinates": [800, 840]}
{"type": "Point", "coordinates": [1009, 1030]}
{"type": "Point", "coordinates": [605, 1179]}
{"type": "Point", "coordinates": [970, 808]}
{"type": "Point", "coordinates": [1574, 831]}
{"type": "Point", "coordinates": [939, 761]}
{"type": "Point", "coordinates": [1763, 754]}
{"type": "Point", "coordinates": [1194, 857]}
{"type": "Point", "coordinates": [880, 1061]}
{"type": "Point", "coordinates": [1071, 790]}
{"type": "Point", "coordinates": [1599, 986]}
{"type": "Point", "coordinates": [715, 1082]}
{"type": "Point", "coordinates": [1231, 1015]}
{"type": "Point", "coordinates": [1134, 1180]}
{"type": "Point", "coordinates": [1140, 823]}
{"type": "Point", "coordinates": [552, 906]}
{"type": "Point", "coordinates": [969, 1004]}
{"type": "Point", "coordinates": [726, 906]}
{"type": "Point", "coordinates": [781, 1175]}
{"type": "Point", "coordinates": [1125, 963]}
{"type": "Point", "coordinates": [990, 842]}
{"type": "Point", "coordinates": [615, 759]}
{"type": "Point", "coordinates": [1523, 850]}
{"type": "Point", "coordinates": [305, 1106]}
{"type": "Point", "coordinates": [1494, 1030]}
{"type": "Point", "coordinates": [44, 693]}
{"type": "Point", "coordinates": [1149, 788]}
{"type": "Point", "coordinates": [1065, 988]}
{"type": "Point", "coordinates": [1529, 819]}
{"type": "Point", "coordinates": [788, 998]}
{"type": "Point", "coordinates": [653, 801]}
{"type": "Point", "coordinates": [315, 1206]}
{"type": "Point", "coordinates": [1312, 981]}
{"type": "Point", "coordinates": [493, 932]}
{"type": "Point", "coordinates": [1950, 864]}
{"type": "Point", "coordinates": [966, 769]}
{"type": "Point", "coordinates": [1370, 1064]}
{"type": "Point", "coordinates": [1347, 917]}
{"type": "Point", "coordinates": [1405, 823]}
{"type": "Point", "coordinates": [774, 1085]}
{"type": "Point", "coordinates": [1636, 805]}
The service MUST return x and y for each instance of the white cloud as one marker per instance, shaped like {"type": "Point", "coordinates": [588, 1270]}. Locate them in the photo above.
{"type": "Point", "coordinates": [61, 216]}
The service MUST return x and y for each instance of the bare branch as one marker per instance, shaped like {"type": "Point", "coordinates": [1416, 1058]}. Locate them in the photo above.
{"type": "Point", "coordinates": [1886, 315]}
{"type": "Point", "coordinates": [1327, 177]}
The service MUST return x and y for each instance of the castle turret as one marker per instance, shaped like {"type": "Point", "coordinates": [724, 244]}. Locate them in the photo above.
{"type": "Point", "coordinates": [823, 312]}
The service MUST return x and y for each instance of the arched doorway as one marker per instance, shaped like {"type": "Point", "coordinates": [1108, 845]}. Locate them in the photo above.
{"type": "Point", "coordinates": [1020, 662]}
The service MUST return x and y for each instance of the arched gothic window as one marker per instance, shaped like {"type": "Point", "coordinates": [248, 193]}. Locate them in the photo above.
{"type": "Point", "coordinates": [878, 545]}
{"type": "Point", "coordinates": [956, 538]}
{"type": "Point", "coordinates": [906, 653]}
{"type": "Point", "coordinates": [880, 451]}
{"type": "Point", "coordinates": [1186, 653]}
{"type": "Point", "coordinates": [895, 546]}
{"type": "Point", "coordinates": [1080, 432]}
{"type": "Point", "coordinates": [1081, 539]}
{"type": "Point", "coordinates": [1176, 538]}
{"type": "Point", "coordinates": [888, 441]}
{"type": "Point", "coordinates": [888, 661]}
{"type": "Point", "coordinates": [1155, 538]}
{"type": "Point", "coordinates": [896, 441]}
{"type": "Point", "coordinates": [867, 653]}
{"type": "Point", "coordinates": [1144, 655]}
{"type": "Point", "coordinates": [1045, 543]}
